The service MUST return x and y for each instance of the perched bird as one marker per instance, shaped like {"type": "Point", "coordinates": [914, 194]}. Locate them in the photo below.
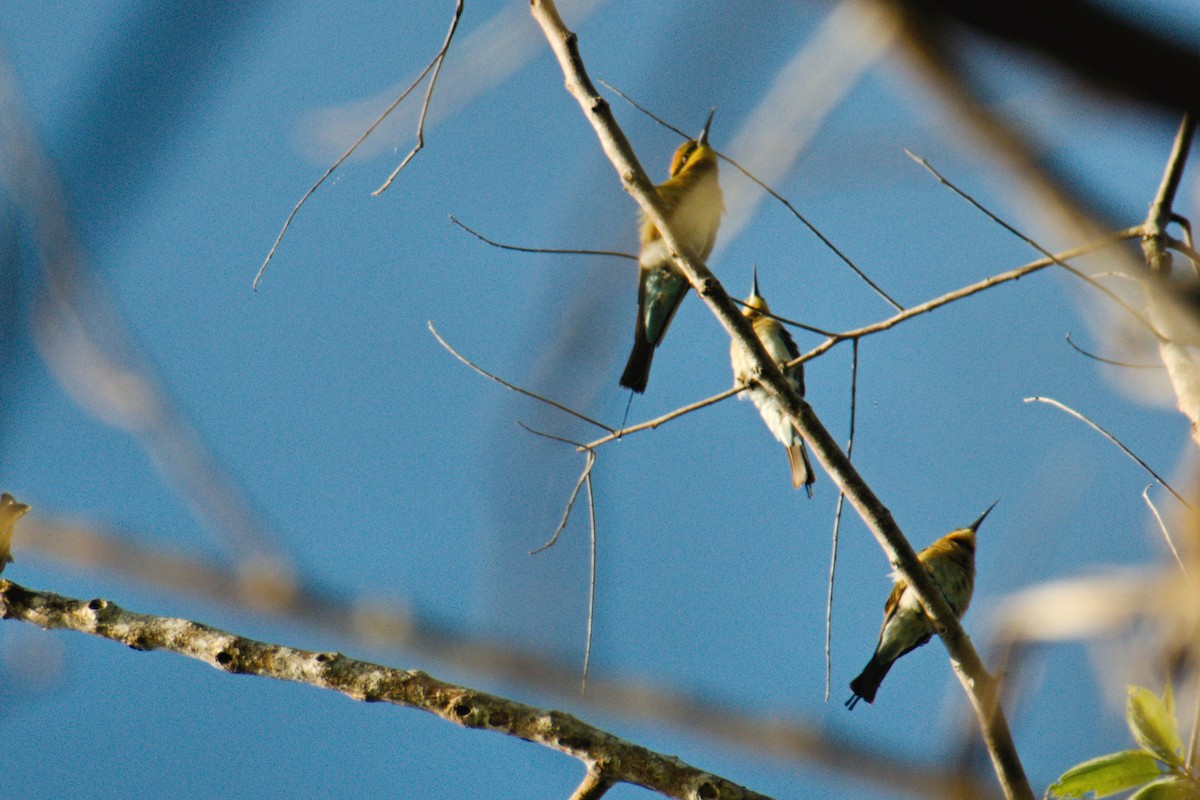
{"type": "Point", "coordinates": [950, 561]}
{"type": "Point", "coordinates": [694, 205]}
{"type": "Point", "coordinates": [782, 348]}
{"type": "Point", "coordinates": [10, 512]}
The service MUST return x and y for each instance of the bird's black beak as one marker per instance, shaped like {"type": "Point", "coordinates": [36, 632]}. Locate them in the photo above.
{"type": "Point", "coordinates": [974, 526]}
{"type": "Point", "coordinates": [703, 137]}
{"type": "Point", "coordinates": [754, 286]}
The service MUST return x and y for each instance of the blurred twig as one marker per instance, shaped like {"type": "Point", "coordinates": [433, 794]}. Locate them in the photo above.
{"type": "Point", "coordinates": [89, 348]}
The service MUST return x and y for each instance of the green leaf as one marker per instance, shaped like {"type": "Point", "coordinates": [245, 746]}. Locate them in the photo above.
{"type": "Point", "coordinates": [1168, 698]}
{"type": "Point", "coordinates": [1170, 788]}
{"type": "Point", "coordinates": [1106, 775]}
{"type": "Point", "coordinates": [1153, 728]}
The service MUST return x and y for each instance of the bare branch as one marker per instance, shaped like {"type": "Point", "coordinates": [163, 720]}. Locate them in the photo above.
{"type": "Point", "coordinates": [594, 786]}
{"type": "Point", "coordinates": [1160, 213]}
{"type": "Point", "coordinates": [625, 761]}
{"type": "Point", "coordinates": [591, 615]}
{"type": "Point", "coordinates": [583, 476]}
{"type": "Point", "coordinates": [568, 252]}
{"type": "Point", "coordinates": [512, 386]}
{"type": "Point", "coordinates": [438, 60]}
{"type": "Point", "coordinates": [435, 63]}
{"type": "Point", "coordinates": [1114, 440]}
{"type": "Point", "coordinates": [978, 684]}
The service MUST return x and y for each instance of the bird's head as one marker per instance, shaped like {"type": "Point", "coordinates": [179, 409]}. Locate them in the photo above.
{"type": "Point", "coordinates": [10, 509]}
{"type": "Point", "coordinates": [756, 305]}
{"type": "Point", "coordinates": [695, 153]}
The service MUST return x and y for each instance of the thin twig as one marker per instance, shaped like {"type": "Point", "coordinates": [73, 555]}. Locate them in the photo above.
{"type": "Point", "coordinates": [436, 62]}
{"type": "Point", "coordinates": [654, 423]}
{"type": "Point", "coordinates": [837, 523]}
{"type": "Point", "coordinates": [587, 470]}
{"type": "Point", "coordinates": [1110, 361]}
{"type": "Point", "coordinates": [557, 251]}
{"type": "Point", "coordinates": [979, 686]}
{"type": "Point", "coordinates": [1162, 526]}
{"type": "Point", "coordinates": [595, 785]}
{"type": "Point", "coordinates": [512, 386]}
{"type": "Point", "coordinates": [1114, 440]}
{"type": "Point", "coordinates": [591, 615]}
{"type": "Point", "coordinates": [824, 240]}
{"type": "Point", "coordinates": [360, 680]}
{"type": "Point", "coordinates": [1116, 298]}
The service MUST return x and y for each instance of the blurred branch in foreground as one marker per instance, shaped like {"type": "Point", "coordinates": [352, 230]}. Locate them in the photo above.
{"type": "Point", "coordinates": [379, 624]}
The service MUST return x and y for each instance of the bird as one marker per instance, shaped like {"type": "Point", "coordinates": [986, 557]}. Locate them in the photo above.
{"type": "Point", "coordinates": [10, 512]}
{"type": "Point", "coordinates": [950, 561]}
{"type": "Point", "coordinates": [693, 203]}
{"type": "Point", "coordinates": [782, 348]}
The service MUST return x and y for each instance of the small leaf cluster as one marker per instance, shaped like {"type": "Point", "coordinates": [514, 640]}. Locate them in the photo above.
{"type": "Point", "coordinates": [1157, 769]}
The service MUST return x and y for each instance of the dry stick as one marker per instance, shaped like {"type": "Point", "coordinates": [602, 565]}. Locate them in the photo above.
{"type": "Point", "coordinates": [837, 522]}
{"type": "Point", "coordinates": [1162, 526]}
{"type": "Point", "coordinates": [439, 59]}
{"type": "Point", "coordinates": [583, 476]}
{"type": "Point", "coordinates": [824, 240]}
{"type": "Point", "coordinates": [978, 684]}
{"type": "Point", "coordinates": [877, 327]}
{"type": "Point", "coordinates": [1114, 440]}
{"type": "Point", "coordinates": [554, 250]}
{"type": "Point", "coordinates": [591, 615]}
{"type": "Point", "coordinates": [1077, 273]}
{"type": "Point", "coordinates": [1110, 361]}
{"type": "Point", "coordinates": [435, 63]}
{"type": "Point", "coordinates": [360, 680]}
{"type": "Point", "coordinates": [514, 387]}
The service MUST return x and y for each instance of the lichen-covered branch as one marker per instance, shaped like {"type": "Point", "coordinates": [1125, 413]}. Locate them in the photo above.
{"type": "Point", "coordinates": [980, 687]}
{"type": "Point", "coordinates": [620, 761]}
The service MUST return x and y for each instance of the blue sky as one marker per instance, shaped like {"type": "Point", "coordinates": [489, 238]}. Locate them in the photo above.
{"type": "Point", "coordinates": [386, 469]}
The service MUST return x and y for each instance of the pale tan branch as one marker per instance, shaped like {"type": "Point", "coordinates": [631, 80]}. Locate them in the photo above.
{"type": "Point", "coordinates": [438, 60]}
{"type": "Point", "coordinates": [978, 684]}
{"type": "Point", "coordinates": [554, 250]}
{"type": "Point", "coordinates": [625, 761]}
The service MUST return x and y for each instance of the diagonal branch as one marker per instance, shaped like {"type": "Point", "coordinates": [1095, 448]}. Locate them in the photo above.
{"type": "Point", "coordinates": [980, 687]}
{"type": "Point", "coordinates": [624, 761]}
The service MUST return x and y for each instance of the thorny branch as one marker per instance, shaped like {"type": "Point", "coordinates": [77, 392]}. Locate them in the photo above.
{"type": "Point", "coordinates": [623, 761]}
{"type": "Point", "coordinates": [980, 687]}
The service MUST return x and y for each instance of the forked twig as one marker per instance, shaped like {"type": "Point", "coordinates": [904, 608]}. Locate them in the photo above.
{"type": "Point", "coordinates": [1162, 526]}
{"type": "Point", "coordinates": [1051, 401]}
{"type": "Point", "coordinates": [787, 204]}
{"type": "Point", "coordinates": [513, 386]}
{"type": "Point", "coordinates": [436, 63]}
{"type": "Point", "coordinates": [438, 60]}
